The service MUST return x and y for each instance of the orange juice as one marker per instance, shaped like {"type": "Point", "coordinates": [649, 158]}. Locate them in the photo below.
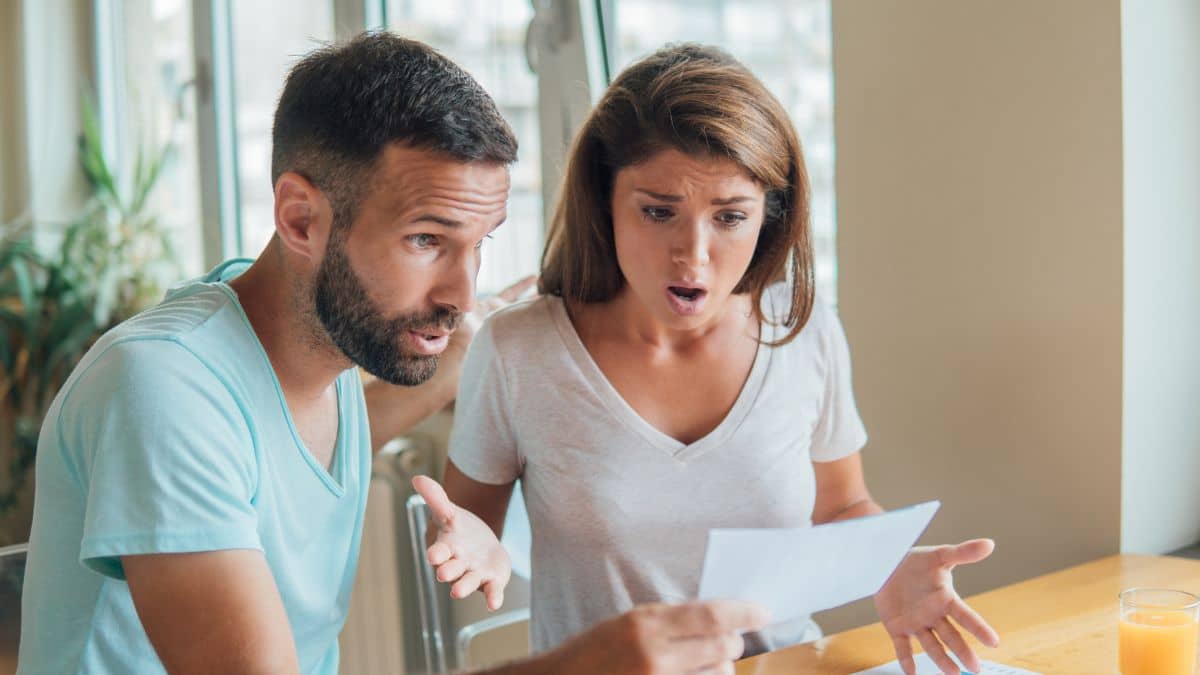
{"type": "Point", "coordinates": [1158, 643]}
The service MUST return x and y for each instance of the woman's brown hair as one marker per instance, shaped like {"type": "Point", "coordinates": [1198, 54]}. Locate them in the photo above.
{"type": "Point", "coordinates": [700, 101]}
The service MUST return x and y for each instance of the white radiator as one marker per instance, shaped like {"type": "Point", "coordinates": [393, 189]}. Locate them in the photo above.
{"type": "Point", "coordinates": [372, 641]}
{"type": "Point", "coordinates": [382, 635]}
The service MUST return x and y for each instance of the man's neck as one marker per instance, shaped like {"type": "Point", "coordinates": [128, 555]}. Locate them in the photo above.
{"type": "Point", "coordinates": [304, 360]}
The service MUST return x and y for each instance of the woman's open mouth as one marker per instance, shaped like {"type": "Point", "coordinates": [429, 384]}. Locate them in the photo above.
{"type": "Point", "coordinates": [686, 299]}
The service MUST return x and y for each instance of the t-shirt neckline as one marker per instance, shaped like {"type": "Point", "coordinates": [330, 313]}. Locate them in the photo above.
{"type": "Point", "coordinates": [334, 477]}
{"type": "Point", "coordinates": [623, 411]}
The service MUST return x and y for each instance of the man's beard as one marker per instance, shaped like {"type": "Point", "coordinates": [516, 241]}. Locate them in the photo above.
{"type": "Point", "coordinates": [362, 333]}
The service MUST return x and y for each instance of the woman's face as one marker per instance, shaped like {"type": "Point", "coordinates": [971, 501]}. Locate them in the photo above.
{"type": "Point", "coordinates": [685, 230]}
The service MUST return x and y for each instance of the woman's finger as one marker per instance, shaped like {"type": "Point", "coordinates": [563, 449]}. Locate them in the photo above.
{"type": "Point", "coordinates": [953, 640]}
{"type": "Point", "coordinates": [973, 623]}
{"type": "Point", "coordinates": [933, 649]}
{"type": "Point", "coordinates": [904, 655]}
{"type": "Point", "coordinates": [966, 553]}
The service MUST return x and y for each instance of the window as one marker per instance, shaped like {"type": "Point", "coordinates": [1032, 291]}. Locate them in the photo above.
{"type": "Point", "coordinates": [246, 48]}
{"type": "Point", "coordinates": [269, 36]}
{"type": "Point", "coordinates": [146, 103]}
{"type": "Point", "coordinates": [487, 38]}
{"type": "Point", "coordinates": [788, 45]}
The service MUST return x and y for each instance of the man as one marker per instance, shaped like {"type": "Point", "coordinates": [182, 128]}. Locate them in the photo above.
{"type": "Point", "coordinates": [202, 475]}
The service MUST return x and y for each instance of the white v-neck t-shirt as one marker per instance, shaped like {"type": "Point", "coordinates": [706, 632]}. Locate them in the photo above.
{"type": "Point", "coordinates": [620, 511]}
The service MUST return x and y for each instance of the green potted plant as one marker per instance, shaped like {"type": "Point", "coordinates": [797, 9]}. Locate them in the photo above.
{"type": "Point", "coordinates": [114, 260]}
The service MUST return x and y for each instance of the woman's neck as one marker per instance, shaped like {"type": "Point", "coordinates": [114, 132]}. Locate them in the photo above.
{"type": "Point", "coordinates": [625, 319]}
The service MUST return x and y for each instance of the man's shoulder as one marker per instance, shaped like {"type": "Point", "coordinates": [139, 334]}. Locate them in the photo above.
{"type": "Point", "coordinates": [165, 338]}
{"type": "Point", "coordinates": [184, 311]}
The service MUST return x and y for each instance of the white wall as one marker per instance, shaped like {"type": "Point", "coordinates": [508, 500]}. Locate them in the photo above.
{"type": "Point", "coordinates": [979, 182]}
{"type": "Point", "coordinates": [1161, 467]}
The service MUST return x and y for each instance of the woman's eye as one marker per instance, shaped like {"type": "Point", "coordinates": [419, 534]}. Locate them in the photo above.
{"type": "Point", "coordinates": [731, 218]}
{"type": "Point", "coordinates": [480, 244]}
{"type": "Point", "coordinates": [423, 241]}
{"type": "Point", "coordinates": [656, 213]}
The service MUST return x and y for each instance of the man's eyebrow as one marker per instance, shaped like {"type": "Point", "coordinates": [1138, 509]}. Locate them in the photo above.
{"type": "Point", "coordinates": [430, 218]}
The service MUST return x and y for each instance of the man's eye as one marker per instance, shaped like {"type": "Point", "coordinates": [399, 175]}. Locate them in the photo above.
{"type": "Point", "coordinates": [423, 240]}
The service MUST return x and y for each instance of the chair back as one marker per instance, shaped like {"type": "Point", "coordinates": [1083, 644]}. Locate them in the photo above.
{"type": "Point", "coordinates": [12, 577]}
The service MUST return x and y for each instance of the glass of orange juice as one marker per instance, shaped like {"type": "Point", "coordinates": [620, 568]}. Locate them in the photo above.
{"type": "Point", "coordinates": [1158, 632]}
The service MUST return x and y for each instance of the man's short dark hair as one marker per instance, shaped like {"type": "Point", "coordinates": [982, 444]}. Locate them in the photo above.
{"type": "Point", "coordinates": [343, 104]}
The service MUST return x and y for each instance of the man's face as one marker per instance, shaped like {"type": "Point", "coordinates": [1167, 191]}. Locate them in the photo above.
{"type": "Point", "coordinates": [390, 290]}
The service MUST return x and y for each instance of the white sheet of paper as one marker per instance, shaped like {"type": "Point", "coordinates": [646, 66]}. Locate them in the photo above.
{"type": "Point", "coordinates": [925, 666]}
{"type": "Point", "coordinates": [797, 571]}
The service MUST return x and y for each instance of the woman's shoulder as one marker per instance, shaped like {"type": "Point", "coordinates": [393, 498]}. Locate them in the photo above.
{"type": "Point", "coordinates": [523, 323]}
{"type": "Point", "coordinates": [777, 303]}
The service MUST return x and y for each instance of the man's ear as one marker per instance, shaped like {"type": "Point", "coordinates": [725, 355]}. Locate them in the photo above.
{"type": "Point", "coordinates": [303, 216]}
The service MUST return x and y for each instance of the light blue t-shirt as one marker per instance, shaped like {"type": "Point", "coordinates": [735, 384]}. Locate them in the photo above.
{"type": "Point", "coordinates": [173, 435]}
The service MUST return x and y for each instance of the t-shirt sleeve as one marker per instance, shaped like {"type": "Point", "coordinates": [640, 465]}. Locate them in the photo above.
{"type": "Point", "coordinates": [162, 450]}
{"type": "Point", "coordinates": [839, 432]}
{"type": "Point", "coordinates": [482, 443]}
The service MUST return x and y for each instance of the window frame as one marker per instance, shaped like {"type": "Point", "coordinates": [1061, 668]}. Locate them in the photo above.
{"type": "Point", "coordinates": [566, 45]}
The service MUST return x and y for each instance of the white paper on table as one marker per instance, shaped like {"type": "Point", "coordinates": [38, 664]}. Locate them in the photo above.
{"type": "Point", "coordinates": [793, 572]}
{"type": "Point", "coordinates": [925, 666]}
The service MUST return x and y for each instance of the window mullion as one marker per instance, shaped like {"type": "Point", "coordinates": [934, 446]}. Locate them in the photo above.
{"type": "Point", "coordinates": [216, 137]}
{"type": "Point", "coordinates": [566, 46]}
{"type": "Point", "coordinates": [351, 17]}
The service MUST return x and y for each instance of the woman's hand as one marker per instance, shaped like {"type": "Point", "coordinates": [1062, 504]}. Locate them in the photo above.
{"type": "Point", "coordinates": [919, 601]}
{"type": "Point", "coordinates": [466, 552]}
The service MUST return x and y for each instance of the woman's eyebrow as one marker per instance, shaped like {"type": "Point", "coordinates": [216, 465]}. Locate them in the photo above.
{"type": "Point", "coordinates": [724, 201]}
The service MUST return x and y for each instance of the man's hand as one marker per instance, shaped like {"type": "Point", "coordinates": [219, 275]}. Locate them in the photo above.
{"type": "Point", "coordinates": [919, 600]}
{"type": "Point", "coordinates": [694, 638]}
{"type": "Point", "coordinates": [466, 552]}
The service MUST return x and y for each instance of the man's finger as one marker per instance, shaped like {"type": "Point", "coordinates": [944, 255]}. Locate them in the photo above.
{"type": "Point", "coordinates": [438, 553]}
{"type": "Point", "coordinates": [973, 623]}
{"type": "Point", "coordinates": [714, 617]}
{"type": "Point", "coordinates": [514, 292]}
{"type": "Point", "coordinates": [904, 655]}
{"type": "Point", "coordinates": [933, 649]}
{"type": "Point", "coordinates": [494, 593]}
{"type": "Point", "coordinates": [451, 570]}
{"type": "Point", "coordinates": [440, 507]}
{"type": "Point", "coordinates": [468, 584]}
{"type": "Point", "coordinates": [702, 653]}
{"type": "Point", "coordinates": [950, 637]}
{"type": "Point", "coordinates": [723, 669]}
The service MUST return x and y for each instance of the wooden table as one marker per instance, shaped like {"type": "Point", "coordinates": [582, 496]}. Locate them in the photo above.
{"type": "Point", "coordinates": [1063, 623]}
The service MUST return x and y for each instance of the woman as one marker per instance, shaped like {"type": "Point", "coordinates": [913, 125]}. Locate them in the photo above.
{"type": "Point", "coordinates": [676, 375]}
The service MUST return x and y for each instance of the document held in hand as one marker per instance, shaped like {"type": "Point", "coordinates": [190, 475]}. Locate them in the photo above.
{"type": "Point", "coordinates": [797, 571]}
